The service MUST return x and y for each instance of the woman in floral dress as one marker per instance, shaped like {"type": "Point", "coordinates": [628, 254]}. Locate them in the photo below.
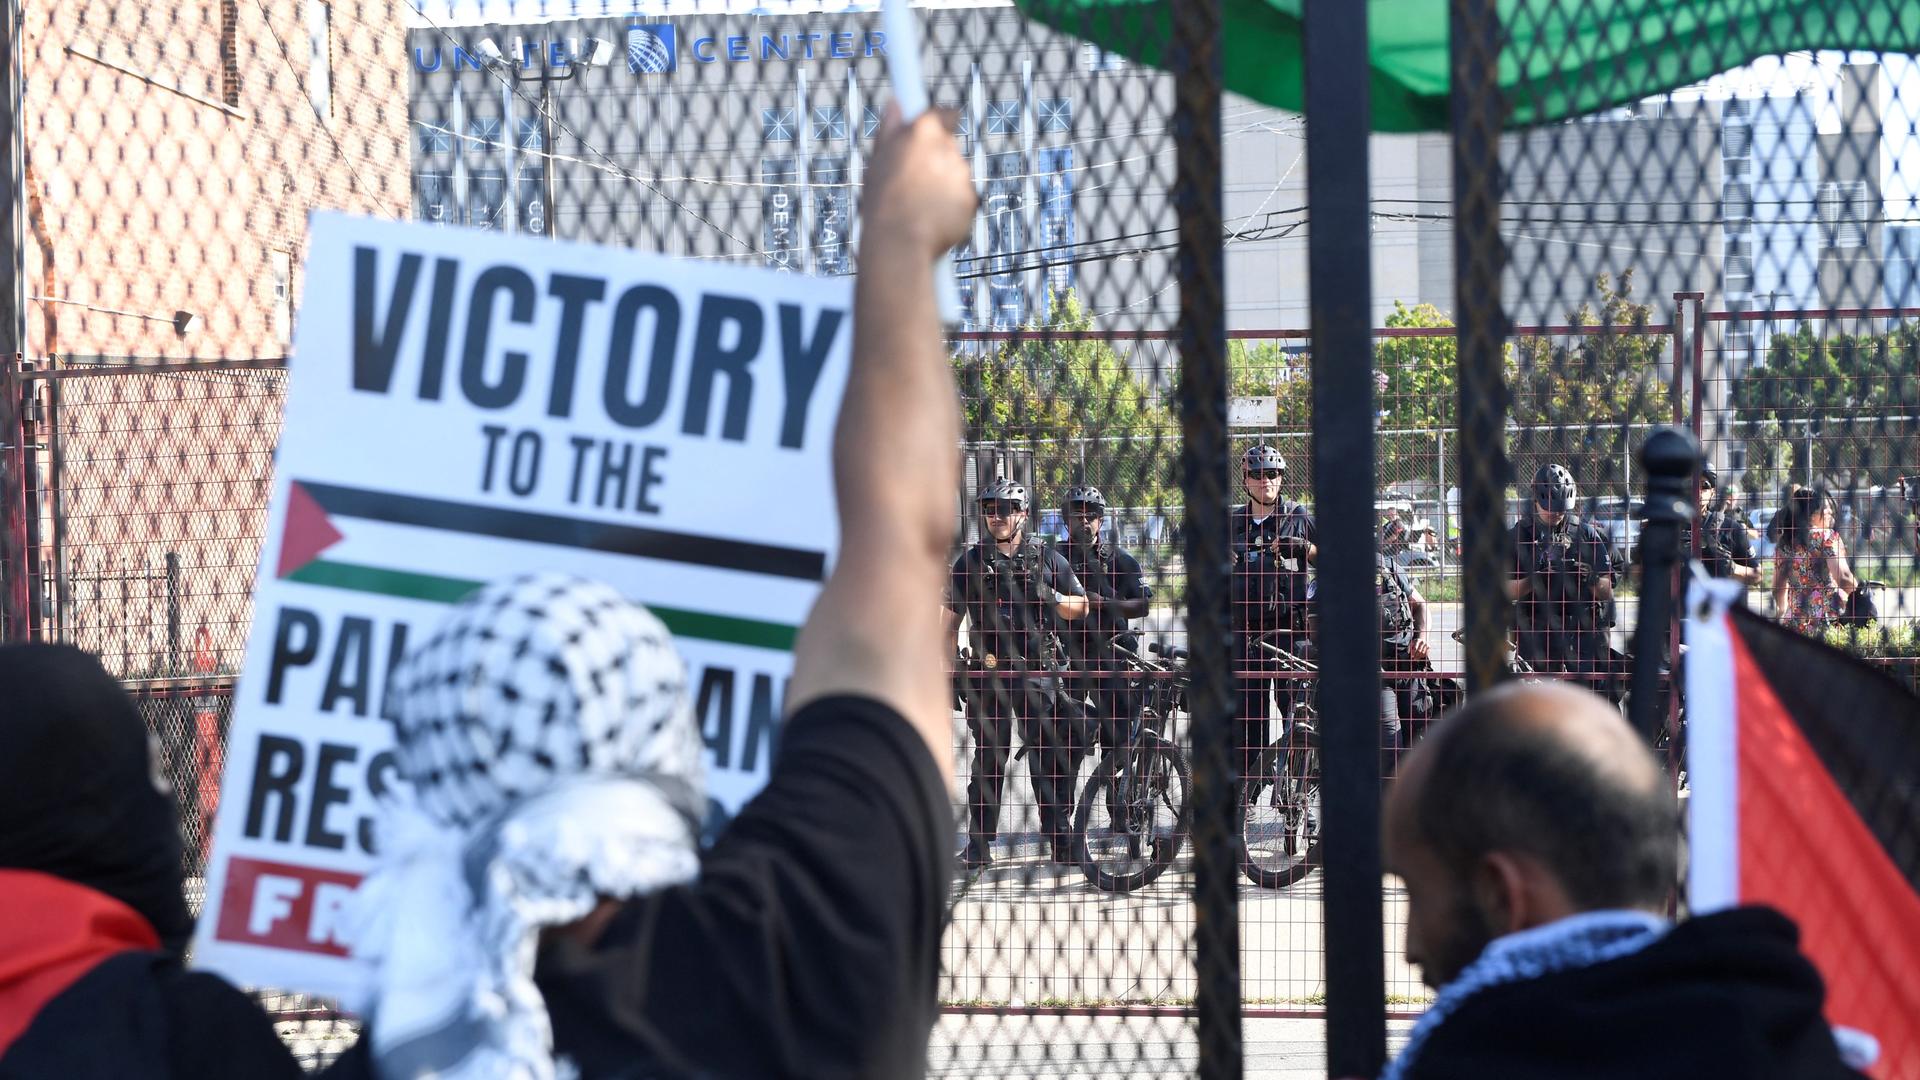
{"type": "Point", "coordinates": [1811, 578]}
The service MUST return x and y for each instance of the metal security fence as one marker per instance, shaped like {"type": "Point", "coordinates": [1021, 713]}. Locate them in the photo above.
{"type": "Point", "coordinates": [1162, 275]}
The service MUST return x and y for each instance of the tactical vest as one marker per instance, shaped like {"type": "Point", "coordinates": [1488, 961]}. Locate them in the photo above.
{"type": "Point", "coordinates": [1396, 608]}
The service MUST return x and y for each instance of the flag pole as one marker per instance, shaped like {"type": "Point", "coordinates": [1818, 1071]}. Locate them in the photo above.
{"type": "Point", "coordinates": [1670, 460]}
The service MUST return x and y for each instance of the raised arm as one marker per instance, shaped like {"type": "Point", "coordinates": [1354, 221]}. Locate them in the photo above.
{"type": "Point", "coordinates": [876, 630]}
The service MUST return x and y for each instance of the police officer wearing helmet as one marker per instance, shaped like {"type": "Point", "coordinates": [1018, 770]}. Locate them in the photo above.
{"type": "Point", "coordinates": [1562, 584]}
{"type": "Point", "coordinates": [1273, 546]}
{"type": "Point", "coordinates": [1012, 591]}
{"type": "Point", "coordinates": [1117, 593]}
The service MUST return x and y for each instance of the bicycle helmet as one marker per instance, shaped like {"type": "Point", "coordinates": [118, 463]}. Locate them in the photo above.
{"type": "Point", "coordinates": [1554, 489]}
{"type": "Point", "coordinates": [1262, 456]}
{"type": "Point", "coordinates": [1709, 476]}
{"type": "Point", "coordinates": [1086, 493]}
{"type": "Point", "coordinates": [1005, 490]}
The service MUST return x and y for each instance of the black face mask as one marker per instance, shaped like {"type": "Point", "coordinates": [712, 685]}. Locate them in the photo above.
{"type": "Point", "coordinates": [80, 797]}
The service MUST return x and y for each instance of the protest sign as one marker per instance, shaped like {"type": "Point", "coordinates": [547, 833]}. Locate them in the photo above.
{"type": "Point", "coordinates": [465, 406]}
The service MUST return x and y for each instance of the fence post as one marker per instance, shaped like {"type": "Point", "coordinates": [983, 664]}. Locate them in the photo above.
{"type": "Point", "coordinates": [14, 586]}
{"type": "Point", "coordinates": [1670, 458]}
{"type": "Point", "coordinates": [1478, 111]}
{"type": "Point", "coordinates": [1204, 477]}
{"type": "Point", "coordinates": [173, 613]}
{"type": "Point", "coordinates": [1446, 518]}
{"type": "Point", "coordinates": [1339, 274]}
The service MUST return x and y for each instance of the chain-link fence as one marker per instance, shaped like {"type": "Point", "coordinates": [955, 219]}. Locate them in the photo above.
{"type": "Point", "coordinates": [1737, 256]}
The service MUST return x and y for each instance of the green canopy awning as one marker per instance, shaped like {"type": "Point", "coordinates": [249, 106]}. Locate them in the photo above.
{"type": "Point", "coordinates": [1562, 58]}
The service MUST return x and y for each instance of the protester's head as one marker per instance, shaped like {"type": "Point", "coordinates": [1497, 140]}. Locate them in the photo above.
{"type": "Point", "coordinates": [1807, 509]}
{"type": "Point", "coordinates": [553, 765]}
{"type": "Point", "coordinates": [1086, 507]}
{"type": "Point", "coordinates": [1554, 493]}
{"type": "Point", "coordinates": [1533, 802]}
{"type": "Point", "coordinates": [535, 682]}
{"type": "Point", "coordinates": [1262, 471]}
{"type": "Point", "coordinates": [81, 794]}
{"type": "Point", "coordinates": [1004, 503]}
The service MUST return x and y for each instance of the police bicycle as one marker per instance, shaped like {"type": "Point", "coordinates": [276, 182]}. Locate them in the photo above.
{"type": "Point", "coordinates": [1133, 814]}
{"type": "Point", "coordinates": [1280, 795]}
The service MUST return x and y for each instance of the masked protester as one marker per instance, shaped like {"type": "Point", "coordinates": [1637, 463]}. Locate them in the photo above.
{"type": "Point", "coordinates": [544, 908]}
{"type": "Point", "coordinates": [92, 917]}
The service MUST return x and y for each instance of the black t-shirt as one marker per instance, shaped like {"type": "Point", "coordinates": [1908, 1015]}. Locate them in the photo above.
{"type": "Point", "coordinates": [998, 593]}
{"type": "Point", "coordinates": [1269, 591]}
{"type": "Point", "coordinates": [1547, 556]}
{"type": "Point", "coordinates": [810, 944]}
{"type": "Point", "coordinates": [1104, 571]}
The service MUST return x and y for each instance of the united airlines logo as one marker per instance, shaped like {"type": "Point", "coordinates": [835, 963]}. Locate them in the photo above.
{"type": "Point", "coordinates": [650, 49]}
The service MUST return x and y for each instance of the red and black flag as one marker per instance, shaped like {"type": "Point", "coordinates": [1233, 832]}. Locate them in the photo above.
{"type": "Point", "coordinates": [1804, 769]}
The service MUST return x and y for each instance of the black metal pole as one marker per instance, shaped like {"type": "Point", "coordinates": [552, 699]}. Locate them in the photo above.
{"type": "Point", "coordinates": [1205, 471]}
{"type": "Point", "coordinates": [15, 625]}
{"type": "Point", "coordinates": [1479, 111]}
{"type": "Point", "coordinates": [173, 613]}
{"type": "Point", "coordinates": [1339, 271]}
{"type": "Point", "coordinates": [1669, 458]}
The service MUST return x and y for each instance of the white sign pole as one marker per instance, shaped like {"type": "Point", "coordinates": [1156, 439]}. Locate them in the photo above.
{"type": "Point", "coordinates": [910, 91]}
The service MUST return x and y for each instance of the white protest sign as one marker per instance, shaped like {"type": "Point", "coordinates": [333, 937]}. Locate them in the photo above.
{"type": "Point", "coordinates": [465, 406]}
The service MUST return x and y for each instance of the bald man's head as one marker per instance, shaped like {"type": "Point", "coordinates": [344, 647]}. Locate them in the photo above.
{"type": "Point", "coordinates": [1542, 773]}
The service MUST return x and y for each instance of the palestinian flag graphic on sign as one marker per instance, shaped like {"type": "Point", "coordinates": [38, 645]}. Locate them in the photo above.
{"type": "Point", "coordinates": [1804, 765]}
{"type": "Point", "coordinates": [320, 521]}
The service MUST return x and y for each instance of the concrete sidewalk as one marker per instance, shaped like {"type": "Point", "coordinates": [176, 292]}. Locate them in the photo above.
{"type": "Point", "coordinates": [1019, 1047]}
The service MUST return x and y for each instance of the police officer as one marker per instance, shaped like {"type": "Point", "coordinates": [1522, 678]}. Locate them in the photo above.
{"type": "Point", "coordinates": [1273, 546]}
{"type": "Point", "coordinates": [1563, 585]}
{"type": "Point", "coordinates": [1117, 592]}
{"type": "Point", "coordinates": [1012, 590]}
{"type": "Point", "coordinates": [1403, 654]}
{"type": "Point", "coordinates": [1726, 551]}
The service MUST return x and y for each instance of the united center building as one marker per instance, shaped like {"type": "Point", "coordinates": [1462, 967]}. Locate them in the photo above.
{"type": "Point", "coordinates": [743, 138]}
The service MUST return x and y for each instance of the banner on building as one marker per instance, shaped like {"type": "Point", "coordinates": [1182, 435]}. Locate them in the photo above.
{"type": "Point", "coordinates": [1801, 762]}
{"type": "Point", "coordinates": [467, 407]}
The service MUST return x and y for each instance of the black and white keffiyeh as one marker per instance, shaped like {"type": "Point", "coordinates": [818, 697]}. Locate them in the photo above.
{"type": "Point", "coordinates": [545, 729]}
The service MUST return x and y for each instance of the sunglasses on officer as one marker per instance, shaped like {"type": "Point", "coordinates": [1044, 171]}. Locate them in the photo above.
{"type": "Point", "coordinates": [1084, 510]}
{"type": "Point", "coordinates": [1266, 474]}
{"type": "Point", "coordinates": [999, 508]}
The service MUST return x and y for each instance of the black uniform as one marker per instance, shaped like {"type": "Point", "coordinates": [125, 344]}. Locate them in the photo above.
{"type": "Point", "coordinates": [1105, 570]}
{"type": "Point", "coordinates": [1736, 542]}
{"type": "Point", "coordinates": [1561, 627]}
{"type": "Point", "coordinates": [1011, 629]}
{"type": "Point", "coordinates": [1269, 598]}
{"type": "Point", "coordinates": [1395, 597]}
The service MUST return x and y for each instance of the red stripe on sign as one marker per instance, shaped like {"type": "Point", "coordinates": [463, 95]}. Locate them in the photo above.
{"type": "Point", "coordinates": [1805, 851]}
{"type": "Point", "coordinates": [281, 906]}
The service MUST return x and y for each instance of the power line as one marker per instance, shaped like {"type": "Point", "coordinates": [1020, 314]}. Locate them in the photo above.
{"type": "Point", "coordinates": [613, 166]}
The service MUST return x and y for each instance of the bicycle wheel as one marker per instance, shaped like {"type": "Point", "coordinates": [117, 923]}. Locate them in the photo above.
{"type": "Point", "coordinates": [1132, 815]}
{"type": "Point", "coordinates": [1280, 812]}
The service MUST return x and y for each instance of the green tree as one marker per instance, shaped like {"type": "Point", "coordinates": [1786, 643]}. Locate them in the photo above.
{"type": "Point", "coordinates": [1084, 411]}
{"type": "Point", "coordinates": [1582, 400]}
{"type": "Point", "coordinates": [1837, 396]}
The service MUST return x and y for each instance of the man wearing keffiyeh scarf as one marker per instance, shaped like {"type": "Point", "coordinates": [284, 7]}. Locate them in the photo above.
{"type": "Point", "coordinates": [1538, 841]}
{"type": "Point", "coordinates": [540, 907]}
{"type": "Point", "coordinates": [554, 762]}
